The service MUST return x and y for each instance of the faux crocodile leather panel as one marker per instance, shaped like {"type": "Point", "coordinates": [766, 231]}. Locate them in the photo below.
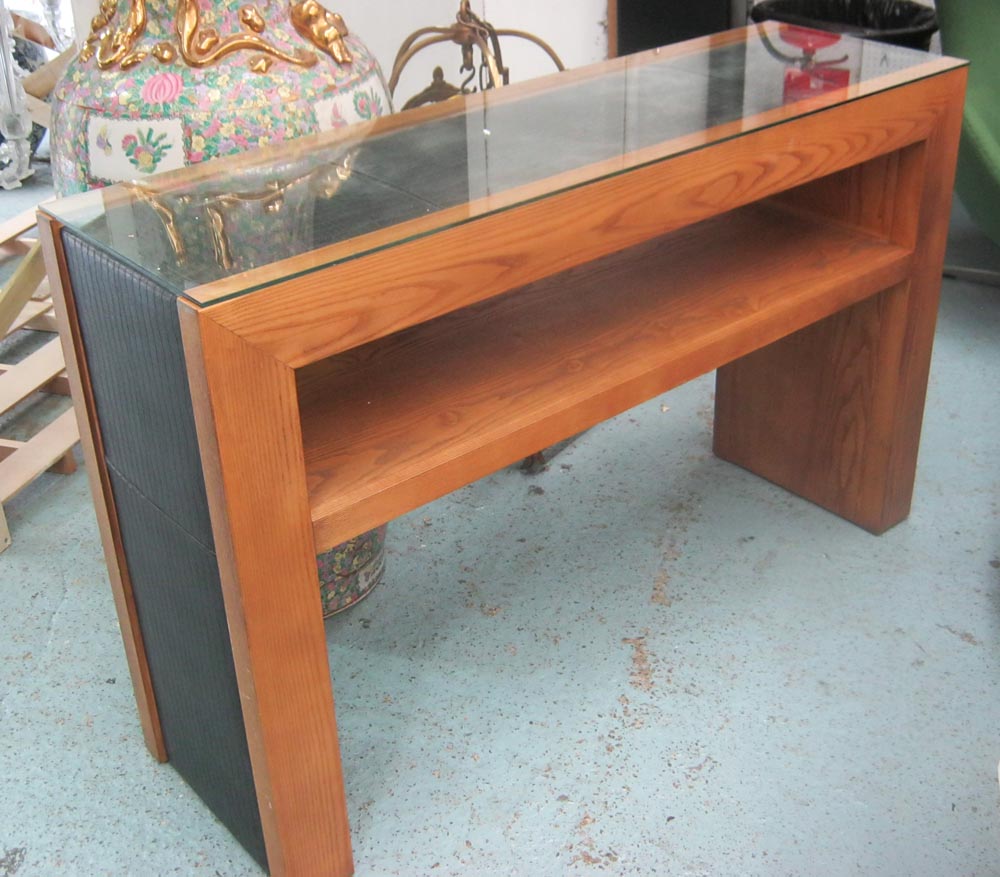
{"type": "Point", "coordinates": [180, 602]}
{"type": "Point", "coordinates": [135, 357]}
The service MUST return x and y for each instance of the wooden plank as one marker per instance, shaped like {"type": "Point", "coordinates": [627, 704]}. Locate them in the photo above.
{"type": "Point", "coordinates": [19, 288]}
{"type": "Point", "coordinates": [17, 225]}
{"type": "Point", "coordinates": [314, 315]}
{"type": "Point", "coordinates": [880, 197]}
{"type": "Point", "coordinates": [45, 322]}
{"type": "Point", "coordinates": [39, 111]}
{"type": "Point", "coordinates": [404, 420]}
{"type": "Point", "coordinates": [42, 292]}
{"type": "Point", "coordinates": [39, 83]}
{"type": "Point", "coordinates": [32, 458]}
{"type": "Point", "coordinates": [258, 502]}
{"type": "Point", "coordinates": [65, 465]}
{"type": "Point", "coordinates": [100, 487]}
{"type": "Point", "coordinates": [29, 312]}
{"type": "Point", "coordinates": [15, 248]}
{"type": "Point", "coordinates": [30, 373]}
{"type": "Point", "coordinates": [834, 412]}
{"type": "Point", "coordinates": [59, 385]}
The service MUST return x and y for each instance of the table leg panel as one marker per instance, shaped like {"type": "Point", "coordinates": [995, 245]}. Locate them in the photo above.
{"type": "Point", "coordinates": [813, 412]}
{"type": "Point", "coordinates": [246, 410]}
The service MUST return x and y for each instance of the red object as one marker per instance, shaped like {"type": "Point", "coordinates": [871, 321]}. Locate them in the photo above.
{"type": "Point", "coordinates": [807, 39]}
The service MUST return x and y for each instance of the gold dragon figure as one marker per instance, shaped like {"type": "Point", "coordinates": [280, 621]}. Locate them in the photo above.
{"type": "Point", "coordinates": [113, 43]}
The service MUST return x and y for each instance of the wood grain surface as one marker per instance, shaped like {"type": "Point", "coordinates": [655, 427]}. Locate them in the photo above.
{"type": "Point", "coordinates": [248, 431]}
{"type": "Point", "coordinates": [400, 421]}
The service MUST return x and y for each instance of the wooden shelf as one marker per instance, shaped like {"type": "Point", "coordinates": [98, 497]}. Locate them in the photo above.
{"type": "Point", "coordinates": [404, 419]}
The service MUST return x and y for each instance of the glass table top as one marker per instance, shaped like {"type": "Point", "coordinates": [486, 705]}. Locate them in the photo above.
{"type": "Point", "coordinates": [351, 191]}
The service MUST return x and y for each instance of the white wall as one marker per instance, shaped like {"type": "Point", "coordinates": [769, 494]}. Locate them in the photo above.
{"type": "Point", "coordinates": [83, 13]}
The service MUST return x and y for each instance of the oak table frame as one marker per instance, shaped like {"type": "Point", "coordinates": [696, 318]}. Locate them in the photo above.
{"type": "Point", "coordinates": [804, 260]}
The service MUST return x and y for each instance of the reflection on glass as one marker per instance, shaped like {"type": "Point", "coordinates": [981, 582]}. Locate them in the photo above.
{"type": "Point", "coordinates": [813, 71]}
{"type": "Point", "coordinates": [212, 228]}
{"type": "Point", "coordinates": [420, 173]}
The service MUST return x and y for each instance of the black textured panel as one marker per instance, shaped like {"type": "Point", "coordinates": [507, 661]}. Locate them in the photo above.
{"type": "Point", "coordinates": [136, 359]}
{"type": "Point", "coordinates": [179, 603]}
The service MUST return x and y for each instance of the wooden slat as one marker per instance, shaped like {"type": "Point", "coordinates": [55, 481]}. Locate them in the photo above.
{"type": "Point", "coordinates": [44, 322]}
{"type": "Point", "coordinates": [17, 225]}
{"type": "Point", "coordinates": [42, 291]}
{"type": "Point", "coordinates": [31, 373]}
{"type": "Point", "coordinates": [257, 498]}
{"type": "Point", "coordinates": [32, 458]}
{"type": "Point", "coordinates": [22, 284]}
{"type": "Point", "coordinates": [100, 487]}
{"type": "Point", "coordinates": [65, 465]}
{"type": "Point", "coordinates": [406, 419]}
{"type": "Point", "coordinates": [59, 385]}
{"type": "Point", "coordinates": [29, 312]}
{"type": "Point", "coordinates": [39, 111]}
{"type": "Point", "coordinates": [317, 314]}
{"type": "Point", "coordinates": [14, 248]}
{"type": "Point", "coordinates": [39, 83]}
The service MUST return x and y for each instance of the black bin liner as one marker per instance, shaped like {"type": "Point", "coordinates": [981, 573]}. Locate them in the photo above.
{"type": "Point", "coordinates": [900, 22]}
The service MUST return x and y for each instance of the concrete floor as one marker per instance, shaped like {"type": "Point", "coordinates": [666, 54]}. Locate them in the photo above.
{"type": "Point", "coordinates": [641, 661]}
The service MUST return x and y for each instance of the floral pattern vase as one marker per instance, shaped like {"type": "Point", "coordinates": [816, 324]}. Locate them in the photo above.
{"type": "Point", "coordinates": [161, 84]}
{"type": "Point", "coordinates": [348, 572]}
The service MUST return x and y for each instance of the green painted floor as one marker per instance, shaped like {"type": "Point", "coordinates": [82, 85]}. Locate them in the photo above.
{"type": "Point", "coordinates": [640, 661]}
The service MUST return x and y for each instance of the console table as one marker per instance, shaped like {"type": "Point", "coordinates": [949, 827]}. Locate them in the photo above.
{"type": "Point", "coordinates": [273, 353]}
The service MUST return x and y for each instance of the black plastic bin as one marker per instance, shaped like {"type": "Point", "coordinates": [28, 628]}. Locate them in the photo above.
{"type": "Point", "coordinates": [903, 23]}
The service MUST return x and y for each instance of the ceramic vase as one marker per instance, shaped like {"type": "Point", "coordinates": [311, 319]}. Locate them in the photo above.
{"type": "Point", "coordinates": [160, 85]}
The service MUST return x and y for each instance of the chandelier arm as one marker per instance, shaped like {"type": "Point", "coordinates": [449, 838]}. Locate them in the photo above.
{"type": "Point", "coordinates": [531, 38]}
{"type": "Point", "coordinates": [411, 47]}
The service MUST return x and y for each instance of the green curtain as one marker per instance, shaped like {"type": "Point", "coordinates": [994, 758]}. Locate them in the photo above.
{"type": "Point", "coordinates": [971, 29]}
